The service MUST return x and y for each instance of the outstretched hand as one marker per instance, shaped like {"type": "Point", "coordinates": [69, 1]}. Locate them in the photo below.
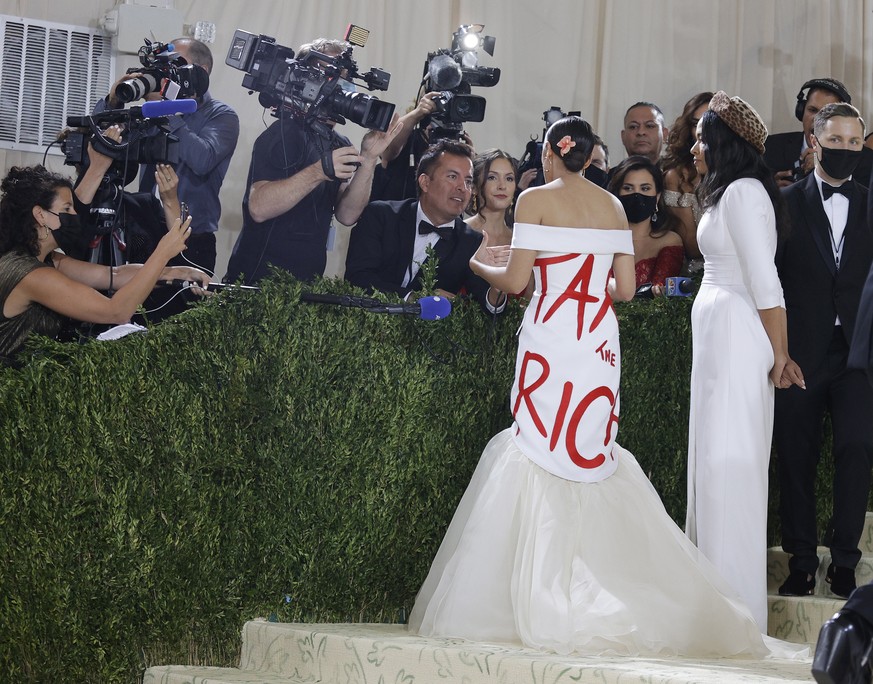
{"type": "Point", "coordinates": [375, 142]}
{"type": "Point", "coordinates": [497, 257]}
{"type": "Point", "coordinates": [173, 243]}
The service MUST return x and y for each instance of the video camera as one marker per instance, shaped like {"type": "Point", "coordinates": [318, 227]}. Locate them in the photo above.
{"type": "Point", "coordinates": [452, 73]}
{"type": "Point", "coordinates": [145, 139]}
{"type": "Point", "coordinates": [312, 87]}
{"type": "Point", "coordinates": [164, 71]}
{"type": "Point", "coordinates": [533, 151]}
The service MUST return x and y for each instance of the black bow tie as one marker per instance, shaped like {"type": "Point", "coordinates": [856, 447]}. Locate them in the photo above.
{"type": "Point", "coordinates": [445, 232]}
{"type": "Point", "coordinates": [845, 189]}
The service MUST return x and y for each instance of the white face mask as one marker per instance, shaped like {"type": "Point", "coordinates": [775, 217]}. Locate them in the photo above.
{"type": "Point", "coordinates": [347, 86]}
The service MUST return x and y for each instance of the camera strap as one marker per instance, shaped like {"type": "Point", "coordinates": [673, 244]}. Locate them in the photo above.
{"type": "Point", "coordinates": [327, 165]}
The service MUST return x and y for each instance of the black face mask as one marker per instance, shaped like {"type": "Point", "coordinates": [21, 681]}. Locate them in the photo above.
{"type": "Point", "coordinates": [638, 207]}
{"type": "Point", "coordinates": [70, 237]}
{"type": "Point", "coordinates": [838, 163]}
{"type": "Point", "coordinates": [596, 175]}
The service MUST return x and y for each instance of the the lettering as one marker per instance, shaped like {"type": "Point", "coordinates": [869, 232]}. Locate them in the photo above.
{"type": "Point", "coordinates": [606, 354]}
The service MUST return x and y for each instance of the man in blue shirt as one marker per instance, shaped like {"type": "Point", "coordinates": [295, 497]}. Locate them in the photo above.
{"type": "Point", "coordinates": [207, 139]}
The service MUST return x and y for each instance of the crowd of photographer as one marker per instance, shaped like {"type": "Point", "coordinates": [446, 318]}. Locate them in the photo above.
{"type": "Point", "coordinates": [415, 185]}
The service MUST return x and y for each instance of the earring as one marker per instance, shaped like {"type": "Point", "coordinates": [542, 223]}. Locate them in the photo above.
{"type": "Point", "coordinates": [655, 217]}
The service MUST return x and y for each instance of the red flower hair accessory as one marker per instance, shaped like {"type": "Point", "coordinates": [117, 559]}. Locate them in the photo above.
{"type": "Point", "coordinates": [565, 144]}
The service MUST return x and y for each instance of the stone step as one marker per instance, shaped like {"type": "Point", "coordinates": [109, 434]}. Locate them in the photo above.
{"type": "Point", "coordinates": [799, 618]}
{"type": "Point", "coordinates": [338, 654]}
{"type": "Point", "coordinates": [777, 570]}
{"type": "Point", "coordinates": [181, 674]}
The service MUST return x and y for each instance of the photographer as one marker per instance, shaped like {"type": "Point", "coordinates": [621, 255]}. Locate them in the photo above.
{"type": "Point", "coordinates": [302, 173]}
{"type": "Point", "coordinates": [40, 286]}
{"type": "Point", "coordinates": [207, 139]}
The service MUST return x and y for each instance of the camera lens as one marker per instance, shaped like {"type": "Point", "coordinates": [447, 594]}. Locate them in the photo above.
{"type": "Point", "coordinates": [137, 88]}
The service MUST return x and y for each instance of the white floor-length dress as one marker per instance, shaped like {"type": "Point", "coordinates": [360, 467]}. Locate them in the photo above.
{"type": "Point", "coordinates": [731, 420]}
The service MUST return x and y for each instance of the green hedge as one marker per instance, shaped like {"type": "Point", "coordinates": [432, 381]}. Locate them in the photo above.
{"type": "Point", "coordinates": [257, 456]}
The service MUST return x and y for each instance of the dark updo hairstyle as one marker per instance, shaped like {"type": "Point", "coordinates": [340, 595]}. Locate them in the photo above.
{"type": "Point", "coordinates": [481, 168]}
{"type": "Point", "coordinates": [24, 188]}
{"type": "Point", "coordinates": [728, 158]}
{"type": "Point", "coordinates": [681, 139]}
{"type": "Point", "coordinates": [636, 162]}
{"type": "Point", "coordinates": [580, 133]}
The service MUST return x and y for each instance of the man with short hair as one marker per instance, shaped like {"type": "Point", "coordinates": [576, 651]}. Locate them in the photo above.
{"type": "Point", "coordinates": [823, 262]}
{"type": "Point", "coordinates": [389, 244]}
{"type": "Point", "coordinates": [207, 140]}
{"type": "Point", "coordinates": [789, 154]}
{"type": "Point", "coordinates": [644, 131]}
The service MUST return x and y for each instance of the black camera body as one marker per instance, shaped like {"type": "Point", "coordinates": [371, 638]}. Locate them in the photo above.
{"type": "Point", "coordinates": [309, 88]}
{"type": "Point", "coordinates": [453, 72]}
{"type": "Point", "coordinates": [163, 71]}
{"type": "Point", "coordinates": [533, 151]}
{"type": "Point", "coordinates": [144, 140]}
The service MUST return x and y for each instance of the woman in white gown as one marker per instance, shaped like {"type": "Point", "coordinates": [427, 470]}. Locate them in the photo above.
{"type": "Point", "coordinates": [740, 350]}
{"type": "Point", "coordinates": [560, 542]}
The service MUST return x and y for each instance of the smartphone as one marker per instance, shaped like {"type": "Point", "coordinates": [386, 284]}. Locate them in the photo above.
{"type": "Point", "coordinates": [183, 212]}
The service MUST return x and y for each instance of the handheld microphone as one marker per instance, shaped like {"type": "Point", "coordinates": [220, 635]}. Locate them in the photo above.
{"type": "Point", "coordinates": [678, 287]}
{"type": "Point", "coordinates": [426, 308]}
{"type": "Point", "coordinates": [151, 110]}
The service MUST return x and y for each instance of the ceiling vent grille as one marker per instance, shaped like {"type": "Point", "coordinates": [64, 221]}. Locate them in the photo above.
{"type": "Point", "coordinates": [48, 71]}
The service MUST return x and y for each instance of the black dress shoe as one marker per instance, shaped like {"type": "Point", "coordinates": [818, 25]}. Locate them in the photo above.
{"type": "Point", "coordinates": [842, 580]}
{"type": "Point", "coordinates": [799, 583]}
{"type": "Point", "coordinates": [843, 652]}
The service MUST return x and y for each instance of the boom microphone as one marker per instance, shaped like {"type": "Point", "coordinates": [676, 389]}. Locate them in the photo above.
{"type": "Point", "coordinates": [426, 308]}
{"type": "Point", "coordinates": [150, 110]}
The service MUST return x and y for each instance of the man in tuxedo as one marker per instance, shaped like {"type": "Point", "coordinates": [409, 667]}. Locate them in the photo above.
{"type": "Point", "coordinates": [823, 261]}
{"type": "Point", "coordinates": [389, 244]}
{"type": "Point", "coordinates": [789, 155]}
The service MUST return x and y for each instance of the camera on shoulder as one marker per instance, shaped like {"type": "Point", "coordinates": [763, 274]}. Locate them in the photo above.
{"type": "Point", "coordinates": [318, 86]}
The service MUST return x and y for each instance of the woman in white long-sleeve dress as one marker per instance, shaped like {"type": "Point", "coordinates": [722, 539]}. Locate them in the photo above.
{"type": "Point", "coordinates": [560, 541]}
{"type": "Point", "coordinates": [740, 350]}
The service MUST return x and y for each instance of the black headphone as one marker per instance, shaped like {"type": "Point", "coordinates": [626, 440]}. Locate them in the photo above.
{"type": "Point", "coordinates": [830, 84]}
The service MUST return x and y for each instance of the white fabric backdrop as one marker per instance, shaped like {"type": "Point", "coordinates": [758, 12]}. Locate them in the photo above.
{"type": "Point", "coordinates": [597, 56]}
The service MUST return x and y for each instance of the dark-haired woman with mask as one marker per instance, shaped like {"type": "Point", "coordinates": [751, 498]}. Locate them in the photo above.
{"type": "Point", "coordinates": [658, 252]}
{"type": "Point", "coordinates": [40, 286]}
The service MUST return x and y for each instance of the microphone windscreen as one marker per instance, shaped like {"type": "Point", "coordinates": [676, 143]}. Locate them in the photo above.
{"type": "Point", "coordinates": [434, 308]}
{"type": "Point", "coordinates": [686, 285]}
{"type": "Point", "coordinates": [444, 73]}
{"type": "Point", "coordinates": [168, 108]}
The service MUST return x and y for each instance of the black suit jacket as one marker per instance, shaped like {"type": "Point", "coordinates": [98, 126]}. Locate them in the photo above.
{"type": "Point", "coordinates": [861, 351]}
{"type": "Point", "coordinates": [381, 245]}
{"type": "Point", "coordinates": [815, 291]}
{"type": "Point", "coordinates": [782, 150]}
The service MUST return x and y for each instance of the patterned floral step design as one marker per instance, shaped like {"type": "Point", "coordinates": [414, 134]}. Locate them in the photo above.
{"type": "Point", "coordinates": [279, 653]}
